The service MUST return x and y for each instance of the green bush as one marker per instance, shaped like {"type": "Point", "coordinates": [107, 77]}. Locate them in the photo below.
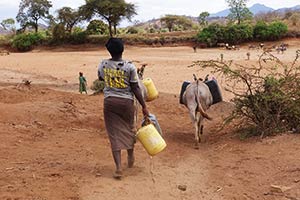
{"type": "Point", "coordinates": [26, 41]}
{"type": "Point", "coordinates": [277, 30]}
{"type": "Point", "coordinates": [58, 33]}
{"type": "Point", "coordinates": [261, 31]}
{"type": "Point", "coordinates": [237, 33]}
{"type": "Point", "coordinates": [132, 30]}
{"type": "Point", "coordinates": [273, 31]}
{"type": "Point", "coordinates": [232, 34]}
{"type": "Point", "coordinates": [6, 40]}
{"type": "Point", "coordinates": [98, 86]}
{"type": "Point", "coordinates": [212, 34]}
{"type": "Point", "coordinates": [77, 38]}
{"type": "Point", "coordinates": [97, 39]}
{"type": "Point", "coordinates": [97, 27]}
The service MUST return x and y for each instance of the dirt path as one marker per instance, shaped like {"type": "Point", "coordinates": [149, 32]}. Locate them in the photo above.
{"type": "Point", "coordinates": [54, 146]}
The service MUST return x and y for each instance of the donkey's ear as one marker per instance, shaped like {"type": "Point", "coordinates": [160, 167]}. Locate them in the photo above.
{"type": "Point", "coordinates": [206, 77]}
{"type": "Point", "coordinates": [195, 77]}
{"type": "Point", "coordinates": [143, 66]}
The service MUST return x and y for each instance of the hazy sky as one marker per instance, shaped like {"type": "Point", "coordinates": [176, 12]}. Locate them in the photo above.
{"type": "Point", "coordinates": [148, 9]}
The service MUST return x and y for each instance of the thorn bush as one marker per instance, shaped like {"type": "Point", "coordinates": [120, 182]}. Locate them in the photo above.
{"type": "Point", "coordinates": [266, 96]}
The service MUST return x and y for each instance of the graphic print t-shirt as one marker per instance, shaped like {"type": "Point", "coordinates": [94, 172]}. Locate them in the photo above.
{"type": "Point", "coordinates": [117, 76]}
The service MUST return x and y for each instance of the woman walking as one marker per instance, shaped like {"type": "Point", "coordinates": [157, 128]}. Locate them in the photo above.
{"type": "Point", "coordinates": [121, 85]}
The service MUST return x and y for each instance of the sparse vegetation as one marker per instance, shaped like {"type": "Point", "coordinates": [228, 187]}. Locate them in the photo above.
{"type": "Point", "coordinates": [98, 86]}
{"type": "Point", "coordinates": [237, 28]}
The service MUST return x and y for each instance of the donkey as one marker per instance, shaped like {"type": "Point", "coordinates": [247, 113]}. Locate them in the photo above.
{"type": "Point", "coordinates": [140, 72]}
{"type": "Point", "coordinates": [197, 98]}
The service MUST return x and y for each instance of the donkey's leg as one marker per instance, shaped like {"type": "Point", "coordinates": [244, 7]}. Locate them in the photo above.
{"type": "Point", "coordinates": [199, 120]}
{"type": "Point", "coordinates": [200, 128]}
{"type": "Point", "coordinates": [192, 111]}
{"type": "Point", "coordinates": [196, 124]}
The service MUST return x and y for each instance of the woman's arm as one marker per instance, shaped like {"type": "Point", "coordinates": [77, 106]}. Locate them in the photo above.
{"type": "Point", "coordinates": [138, 94]}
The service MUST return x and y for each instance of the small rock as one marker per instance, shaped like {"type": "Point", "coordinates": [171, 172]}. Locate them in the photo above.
{"type": "Point", "coordinates": [182, 187]}
{"type": "Point", "coordinates": [279, 189]}
{"type": "Point", "coordinates": [219, 188]}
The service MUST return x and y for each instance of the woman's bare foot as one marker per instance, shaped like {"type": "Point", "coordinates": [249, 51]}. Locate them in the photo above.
{"type": "Point", "coordinates": [118, 174]}
{"type": "Point", "coordinates": [130, 161]}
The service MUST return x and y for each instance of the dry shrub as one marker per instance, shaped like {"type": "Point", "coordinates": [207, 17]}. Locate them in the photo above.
{"type": "Point", "coordinates": [98, 86]}
{"type": "Point", "coordinates": [267, 96]}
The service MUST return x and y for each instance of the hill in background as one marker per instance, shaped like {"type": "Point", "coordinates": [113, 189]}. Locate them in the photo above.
{"type": "Point", "coordinates": [255, 9]}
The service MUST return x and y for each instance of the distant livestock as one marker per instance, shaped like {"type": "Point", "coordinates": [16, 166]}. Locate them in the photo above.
{"type": "Point", "coordinates": [232, 47]}
{"type": "Point", "coordinates": [199, 45]}
{"type": "Point", "coordinates": [282, 48]}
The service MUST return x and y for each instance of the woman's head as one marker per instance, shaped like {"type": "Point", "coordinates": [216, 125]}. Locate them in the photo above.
{"type": "Point", "coordinates": [80, 74]}
{"type": "Point", "coordinates": [115, 46]}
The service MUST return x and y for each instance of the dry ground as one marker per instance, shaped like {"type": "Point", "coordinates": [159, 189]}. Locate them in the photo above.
{"type": "Point", "coordinates": [54, 146]}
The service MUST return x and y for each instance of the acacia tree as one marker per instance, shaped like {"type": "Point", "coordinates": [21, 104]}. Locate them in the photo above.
{"type": "Point", "coordinates": [238, 10]}
{"type": "Point", "coordinates": [8, 24]}
{"type": "Point", "coordinates": [203, 18]}
{"type": "Point", "coordinates": [170, 21]}
{"type": "Point", "coordinates": [112, 11]}
{"type": "Point", "coordinates": [69, 17]}
{"type": "Point", "coordinates": [31, 11]}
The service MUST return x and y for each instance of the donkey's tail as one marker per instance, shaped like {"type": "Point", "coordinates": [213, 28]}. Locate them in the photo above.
{"type": "Point", "coordinates": [199, 105]}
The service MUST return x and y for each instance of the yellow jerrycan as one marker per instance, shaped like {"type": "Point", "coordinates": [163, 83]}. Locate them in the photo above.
{"type": "Point", "coordinates": [151, 139]}
{"type": "Point", "coordinates": [151, 89]}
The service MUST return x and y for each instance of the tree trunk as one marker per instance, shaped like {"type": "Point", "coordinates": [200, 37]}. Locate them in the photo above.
{"type": "Point", "coordinates": [36, 27]}
{"type": "Point", "coordinates": [110, 29]}
{"type": "Point", "coordinates": [115, 29]}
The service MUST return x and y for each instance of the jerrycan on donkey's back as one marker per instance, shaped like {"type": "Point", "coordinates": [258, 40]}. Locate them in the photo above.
{"type": "Point", "coordinates": [152, 92]}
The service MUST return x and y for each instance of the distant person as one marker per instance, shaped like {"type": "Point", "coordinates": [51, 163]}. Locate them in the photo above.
{"type": "Point", "coordinates": [121, 85]}
{"type": "Point", "coordinates": [82, 83]}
